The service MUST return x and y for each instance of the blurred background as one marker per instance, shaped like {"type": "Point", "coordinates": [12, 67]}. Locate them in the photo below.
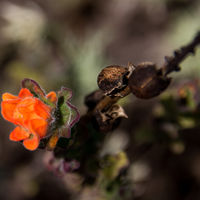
{"type": "Point", "coordinates": [67, 43]}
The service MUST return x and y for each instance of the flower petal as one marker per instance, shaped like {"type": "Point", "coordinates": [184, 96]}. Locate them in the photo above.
{"type": "Point", "coordinates": [8, 96]}
{"type": "Point", "coordinates": [39, 126]}
{"type": "Point", "coordinates": [32, 143]}
{"type": "Point", "coordinates": [26, 106]}
{"type": "Point", "coordinates": [19, 134]}
{"type": "Point", "coordinates": [52, 97]}
{"type": "Point", "coordinates": [24, 92]}
{"type": "Point", "coordinates": [42, 109]}
{"type": "Point", "coordinates": [8, 109]}
{"type": "Point", "coordinates": [25, 110]}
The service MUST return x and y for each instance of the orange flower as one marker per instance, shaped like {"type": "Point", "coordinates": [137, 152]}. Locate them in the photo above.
{"type": "Point", "coordinates": [30, 115]}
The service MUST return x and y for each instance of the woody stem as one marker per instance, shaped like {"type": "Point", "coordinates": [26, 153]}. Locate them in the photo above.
{"type": "Point", "coordinates": [172, 63]}
{"type": "Point", "coordinates": [108, 101]}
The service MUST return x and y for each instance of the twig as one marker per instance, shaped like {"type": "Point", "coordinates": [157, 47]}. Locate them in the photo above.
{"type": "Point", "coordinates": [107, 101]}
{"type": "Point", "coordinates": [172, 62]}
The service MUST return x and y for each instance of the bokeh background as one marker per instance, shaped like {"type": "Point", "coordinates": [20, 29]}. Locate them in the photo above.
{"type": "Point", "coordinates": [67, 43]}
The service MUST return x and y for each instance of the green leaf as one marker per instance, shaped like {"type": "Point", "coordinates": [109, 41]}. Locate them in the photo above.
{"type": "Point", "coordinates": [65, 111]}
{"type": "Point", "coordinates": [66, 115]}
{"type": "Point", "coordinates": [34, 87]}
{"type": "Point", "coordinates": [36, 90]}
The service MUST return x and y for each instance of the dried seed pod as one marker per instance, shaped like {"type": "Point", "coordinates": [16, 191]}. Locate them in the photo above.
{"type": "Point", "coordinates": [113, 79]}
{"type": "Point", "coordinates": [109, 120]}
{"type": "Point", "coordinates": [116, 111]}
{"type": "Point", "coordinates": [147, 82]}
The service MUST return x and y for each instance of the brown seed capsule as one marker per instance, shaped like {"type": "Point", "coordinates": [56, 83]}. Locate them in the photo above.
{"type": "Point", "coordinates": [147, 82]}
{"type": "Point", "coordinates": [110, 119]}
{"type": "Point", "coordinates": [113, 79]}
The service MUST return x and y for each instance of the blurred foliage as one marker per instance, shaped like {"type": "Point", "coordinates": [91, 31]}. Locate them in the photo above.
{"type": "Point", "coordinates": [67, 43]}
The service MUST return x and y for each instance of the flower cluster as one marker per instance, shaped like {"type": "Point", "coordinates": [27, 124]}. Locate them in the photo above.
{"type": "Point", "coordinates": [29, 114]}
{"type": "Point", "coordinates": [33, 113]}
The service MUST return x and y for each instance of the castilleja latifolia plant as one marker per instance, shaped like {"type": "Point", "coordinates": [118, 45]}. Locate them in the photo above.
{"type": "Point", "coordinates": [38, 115]}
{"type": "Point", "coordinates": [51, 122]}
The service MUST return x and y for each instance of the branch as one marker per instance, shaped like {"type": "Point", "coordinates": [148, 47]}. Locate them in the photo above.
{"type": "Point", "coordinates": [108, 101]}
{"type": "Point", "coordinates": [172, 62]}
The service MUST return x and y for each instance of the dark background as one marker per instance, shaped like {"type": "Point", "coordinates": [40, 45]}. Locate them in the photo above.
{"type": "Point", "coordinates": [68, 42]}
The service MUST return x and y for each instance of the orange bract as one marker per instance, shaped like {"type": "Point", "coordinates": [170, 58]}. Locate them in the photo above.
{"type": "Point", "coordinates": [52, 97]}
{"type": "Point", "coordinates": [30, 115]}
